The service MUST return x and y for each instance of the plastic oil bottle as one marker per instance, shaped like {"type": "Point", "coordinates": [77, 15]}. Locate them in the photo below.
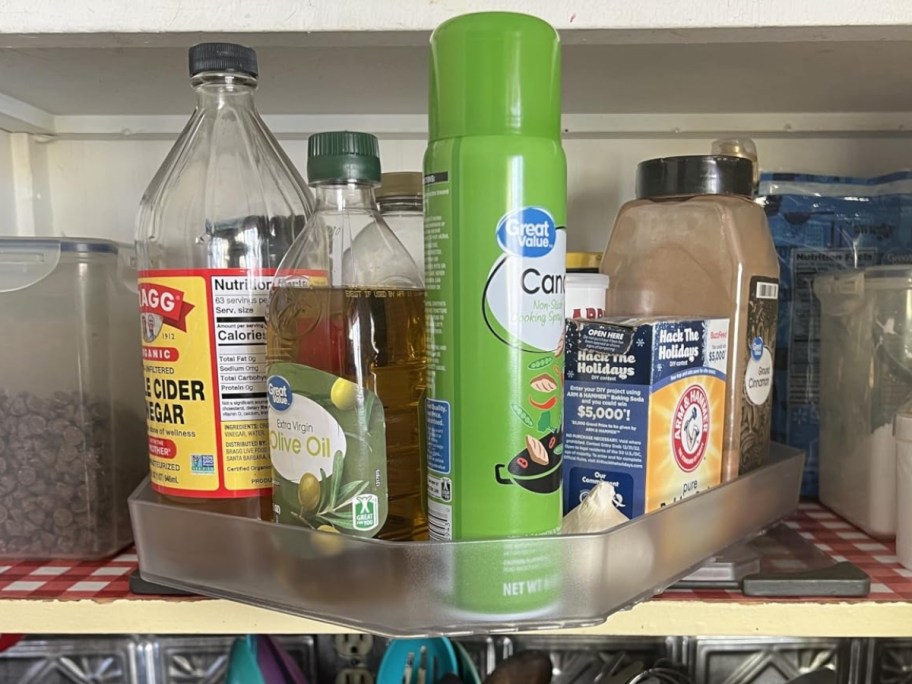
{"type": "Point", "coordinates": [346, 346]}
{"type": "Point", "coordinates": [495, 245]}
{"type": "Point", "coordinates": [214, 223]}
{"type": "Point", "coordinates": [400, 199]}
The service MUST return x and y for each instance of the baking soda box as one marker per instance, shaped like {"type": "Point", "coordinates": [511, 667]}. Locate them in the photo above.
{"type": "Point", "coordinates": [644, 409]}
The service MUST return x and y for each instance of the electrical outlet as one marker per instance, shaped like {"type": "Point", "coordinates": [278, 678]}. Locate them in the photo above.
{"type": "Point", "coordinates": [350, 676]}
{"type": "Point", "coordinates": [353, 645]}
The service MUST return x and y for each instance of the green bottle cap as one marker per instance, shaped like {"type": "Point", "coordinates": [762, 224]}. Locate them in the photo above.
{"type": "Point", "coordinates": [343, 156]}
{"type": "Point", "coordinates": [494, 73]}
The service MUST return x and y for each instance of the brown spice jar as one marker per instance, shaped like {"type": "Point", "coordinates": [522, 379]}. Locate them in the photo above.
{"type": "Point", "coordinates": [694, 244]}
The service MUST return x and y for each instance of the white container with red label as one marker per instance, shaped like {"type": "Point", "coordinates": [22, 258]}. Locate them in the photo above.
{"type": "Point", "coordinates": [584, 286]}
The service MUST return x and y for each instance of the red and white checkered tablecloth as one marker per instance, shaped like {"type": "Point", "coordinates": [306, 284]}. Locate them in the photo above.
{"type": "Point", "coordinates": [109, 579]}
{"type": "Point", "coordinates": [60, 579]}
{"type": "Point", "coordinates": [841, 541]}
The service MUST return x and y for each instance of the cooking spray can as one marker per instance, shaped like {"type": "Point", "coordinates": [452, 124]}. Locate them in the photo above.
{"type": "Point", "coordinates": [495, 242]}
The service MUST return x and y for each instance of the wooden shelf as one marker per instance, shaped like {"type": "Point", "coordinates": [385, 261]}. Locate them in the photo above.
{"type": "Point", "coordinates": [653, 618]}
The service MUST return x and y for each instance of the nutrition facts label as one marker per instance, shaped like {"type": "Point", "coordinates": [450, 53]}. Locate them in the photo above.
{"type": "Point", "coordinates": [204, 356]}
{"type": "Point", "coordinates": [239, 308]}
{"type": "Point", "coordinates": [437, 239]}
{"type": "Point", "coordinates": [804, 343]}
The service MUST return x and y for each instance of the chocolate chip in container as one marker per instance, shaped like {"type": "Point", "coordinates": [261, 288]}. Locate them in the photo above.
{"type": "Point", "coordinates": [47, 456]}
{"type": "Point", "coordinates": [73, 436]}
{"type": "Point", "coordinates": [36, 404]}
{"type": "Point", "coordinates": [60, 491]}
{"type": "Point", "coordinates": [66, 545]}
{"type": "Point", "coordinates": [57, 425]}
{"type": "Point", "coordinates": [7, 484]}
{"type": "Point", "coordinates": [27, 476]}
{"type": "Point", "coordinates": [20, 447]}
{"type": "Point", "coordinates": [37, 424]}
{"type": "Point", "coordinates": [18, 407]}
{"type": "Point", "coordinates": [64, 491]}
{"type": "Point", "coordinates": [37, 517]}
{"type": "Point", "coordinates": [68, 453]}
{"type": "Point", "coordinates": [63, 517]}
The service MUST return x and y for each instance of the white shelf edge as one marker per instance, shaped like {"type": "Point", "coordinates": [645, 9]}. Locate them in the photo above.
{"type": "Point", "coordinates": [33, 22]}
{"type": "Point", "coordinates": [652, 618]}
{"type": "Point", "coordinates": [575, 125]}
{"type": "Point", "coordinates": [17, 116]}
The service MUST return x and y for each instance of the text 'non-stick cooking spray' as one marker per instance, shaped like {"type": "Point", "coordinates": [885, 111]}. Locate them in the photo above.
{"type": "Point", "coordinates": [495, 244]}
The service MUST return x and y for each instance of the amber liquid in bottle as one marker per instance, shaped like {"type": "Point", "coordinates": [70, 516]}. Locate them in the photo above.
{"type": "Point", "coordinates": [375, 336]}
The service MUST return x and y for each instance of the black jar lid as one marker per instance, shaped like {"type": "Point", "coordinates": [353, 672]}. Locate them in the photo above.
{"type": "Point", "coordinates": [694, 175]}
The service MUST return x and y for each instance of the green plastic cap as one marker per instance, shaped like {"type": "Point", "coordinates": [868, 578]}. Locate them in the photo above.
{"type": "Point", "coordinates": [343, 156]}
{"type": "Point", "coordinates": [494, 73]}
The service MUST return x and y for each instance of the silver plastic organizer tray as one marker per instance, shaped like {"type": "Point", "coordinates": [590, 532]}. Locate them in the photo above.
{"type": "Point", "coordinates": [417, 588]}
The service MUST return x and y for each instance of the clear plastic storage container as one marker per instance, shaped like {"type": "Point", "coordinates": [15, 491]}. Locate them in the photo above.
{"type": "Point", "coordinates": [424, 588]}
{"type": "Point", "coordinates": [72, 426]}
{"type": "Point", "coordinates": [865, 377]}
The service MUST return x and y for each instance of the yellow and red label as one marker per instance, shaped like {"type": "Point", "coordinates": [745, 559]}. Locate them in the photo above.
{"type": "Point", "coordinates": [204, 363]}
{"type": "Point", "coordinates": [686, 424]}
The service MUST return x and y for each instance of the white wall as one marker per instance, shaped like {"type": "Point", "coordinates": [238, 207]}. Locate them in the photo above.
{"type": "Point", "coordinates": [7, 194]}
{"type": "Point", "coordinates": [95, 186]}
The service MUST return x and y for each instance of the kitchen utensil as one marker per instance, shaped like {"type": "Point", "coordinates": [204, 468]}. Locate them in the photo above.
{"type": "Point", "coordinates": [242, 662]}
{"type": "Point", "coordinates": [422, 666]}
{"type": "Point", "coordinates": [526, 667]}
{"type": "Point", "coordinates": [467, 669]}
{"type": "Point", "coordinates": [403, 661]}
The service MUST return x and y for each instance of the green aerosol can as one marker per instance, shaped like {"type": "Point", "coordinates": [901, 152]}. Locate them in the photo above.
{"type": "Point", "coordinates": [495, 242]}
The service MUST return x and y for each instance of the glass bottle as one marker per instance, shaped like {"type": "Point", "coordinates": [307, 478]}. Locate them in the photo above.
{"type": "Point", "coordinates": [346, 348]}
{"type": "Point", "coordinates": [400, 199]}
{"type": "Point", "coordinates": [214, 223]}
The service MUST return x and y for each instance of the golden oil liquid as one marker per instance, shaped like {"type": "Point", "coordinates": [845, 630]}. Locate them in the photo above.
{"type": "Point", "coordinates": [256, 507]}
{"type": "Point", "coordinates": [374, 337]}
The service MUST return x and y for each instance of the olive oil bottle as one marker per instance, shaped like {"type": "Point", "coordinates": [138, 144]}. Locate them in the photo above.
{"type": "Point", "coordinates": [346, 354]}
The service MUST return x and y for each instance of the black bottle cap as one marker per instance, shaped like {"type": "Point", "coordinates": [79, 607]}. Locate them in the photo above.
{"type": "Point", "coordinates": [694, 175]}
{"type": "Point", "coordinates": [223, 57]}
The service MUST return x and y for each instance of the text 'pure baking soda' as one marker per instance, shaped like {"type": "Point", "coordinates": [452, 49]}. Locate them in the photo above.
{"type": "Point", "coordinates": [213, 225]}
{"type": "Point", "coordinates": [495, 245]}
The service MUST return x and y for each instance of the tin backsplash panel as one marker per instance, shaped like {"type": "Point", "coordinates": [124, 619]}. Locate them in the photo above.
{"type": "Point", "coordinates": [890, 661]}
{"type": "Point", "coordinates": [768, 661]}
{"type": "Point", "coordinates": [576, 659]}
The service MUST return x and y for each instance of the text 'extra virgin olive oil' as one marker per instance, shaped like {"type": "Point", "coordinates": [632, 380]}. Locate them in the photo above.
{"type": "Point", "coordinates": [347, 363]}
{"type": "Point", "coordinates": [495, 246]}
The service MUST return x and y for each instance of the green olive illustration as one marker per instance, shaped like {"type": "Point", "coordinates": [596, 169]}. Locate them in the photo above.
{"type": "Point", "coordinates": [309, 493]}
